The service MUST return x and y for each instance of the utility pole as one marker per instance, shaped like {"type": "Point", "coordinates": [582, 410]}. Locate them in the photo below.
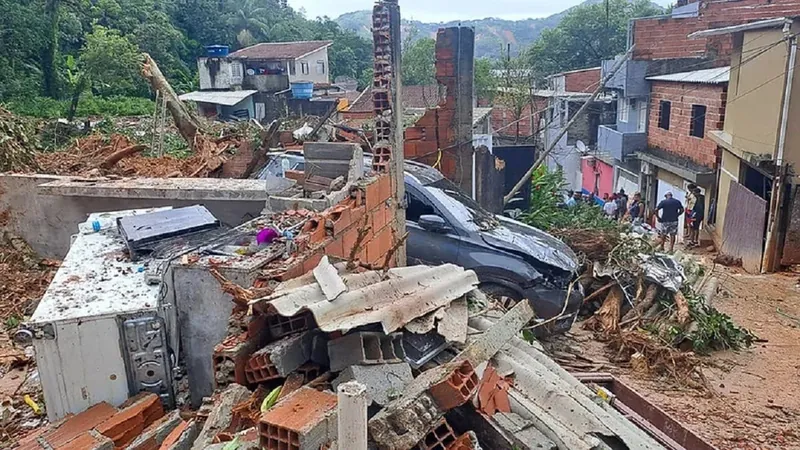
{"type": "Point", "coordinates": [617, 65]}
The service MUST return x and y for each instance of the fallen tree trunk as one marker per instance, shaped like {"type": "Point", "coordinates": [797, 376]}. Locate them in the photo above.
{"type": "Point", "coordinates": [640, 308]}
{"type": "Point", "coordinates": [606, 319]}
{"type": "Point", "coordinates": [119, 155]}
{"type": "Point", "coordinates": [682, 313]}
{"type": "Point", "coordinates": [187, 123]}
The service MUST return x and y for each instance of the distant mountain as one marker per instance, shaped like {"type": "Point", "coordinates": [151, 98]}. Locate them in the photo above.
{"type": "Point", "coordinates": [491, 34]}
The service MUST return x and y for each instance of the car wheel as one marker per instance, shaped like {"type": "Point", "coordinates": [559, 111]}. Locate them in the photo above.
{"type": "Point", "coordinates": [505, 296]}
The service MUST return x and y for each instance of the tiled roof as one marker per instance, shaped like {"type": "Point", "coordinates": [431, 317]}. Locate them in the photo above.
{"type": "Point", "coordinates": [280, 50]}
{"type": "Point", "coordinates": [413, 97]}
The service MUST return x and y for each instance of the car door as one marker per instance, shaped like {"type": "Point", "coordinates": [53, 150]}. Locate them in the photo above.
{"type": "Point", "coordinates": [424, 246]}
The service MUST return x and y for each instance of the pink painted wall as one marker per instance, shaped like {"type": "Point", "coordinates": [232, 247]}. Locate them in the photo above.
{"type": "Point", "coordinates": [597, 179]}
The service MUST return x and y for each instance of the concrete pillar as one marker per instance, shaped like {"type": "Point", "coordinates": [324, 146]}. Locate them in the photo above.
{"type": "Point", "coordinates": [352, 414]}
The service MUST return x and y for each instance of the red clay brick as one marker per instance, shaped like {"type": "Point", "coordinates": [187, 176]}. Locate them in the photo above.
{"type": "Point", "coordinates": [79, 424]}
{"type": "Point", "coordinates": [88, 440]}
{"type": "Point", "coordinates": [464, 442]}
{"type": "Point", "coordinates": [384, 188]}
{"type": "Point", "coordinates": [493, 393]}
{"type": "Point", "coordinates": [373, 194]}
{"type": "Point", "coordinates": [335, 248]}
{"type": "Point", "coordinates": [135, 415]}
{"type": "Point", "coordinates": [174, 435]}
{"type": "Point", "coordinates": [342, 219]}
{"type": "Point", "coordinates": [285, 425]}
{"type": "Point", "coordinates": [312, 261]}
{"type": "Point", "coordinates": [297, 175]}
{"type": "Point", "coordinates": [457, 388]}
{"type": "Point", "coordinates": [260, 369]}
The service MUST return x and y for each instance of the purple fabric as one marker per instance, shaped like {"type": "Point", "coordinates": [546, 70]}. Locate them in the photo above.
{"type": "Point", "coordinates": [266, 236]}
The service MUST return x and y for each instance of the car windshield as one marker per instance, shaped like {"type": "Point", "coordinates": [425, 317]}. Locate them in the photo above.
{"type": "Point", "coordinates": [466, 210]}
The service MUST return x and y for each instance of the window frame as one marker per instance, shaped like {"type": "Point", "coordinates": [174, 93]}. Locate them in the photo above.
{"type": "Point", "coordinates": [698, 121]}
{"type": "Point", "coordinates": [623, 107]}
{"type": "Point", "coordinates": [664, 106]}
{"type": "Point", "coordinates": [305, 69]}
{"type": "Point", "coordinates": [320, 67]}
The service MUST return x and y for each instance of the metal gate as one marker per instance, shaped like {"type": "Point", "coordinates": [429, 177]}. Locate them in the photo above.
{"type": "Point", "coordinates": [743, 234]}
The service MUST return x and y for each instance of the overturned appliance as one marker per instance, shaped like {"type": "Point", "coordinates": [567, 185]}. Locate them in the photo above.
{"type": "Point", "coordinates": [100, 332]}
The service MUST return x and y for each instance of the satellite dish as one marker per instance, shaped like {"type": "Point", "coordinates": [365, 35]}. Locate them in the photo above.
{"type": "Point", "coordinates": [581, 147]}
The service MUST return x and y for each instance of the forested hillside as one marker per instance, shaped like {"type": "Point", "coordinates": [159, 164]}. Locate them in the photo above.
{"type": "Point", "coordinates": [55, 49]}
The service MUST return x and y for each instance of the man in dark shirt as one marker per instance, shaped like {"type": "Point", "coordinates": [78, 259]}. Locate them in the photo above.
{"type": "Point", "coordinates": [667, 228]}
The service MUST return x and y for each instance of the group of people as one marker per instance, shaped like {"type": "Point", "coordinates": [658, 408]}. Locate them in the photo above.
{"type": "Point", "coordinates": [618, 206]}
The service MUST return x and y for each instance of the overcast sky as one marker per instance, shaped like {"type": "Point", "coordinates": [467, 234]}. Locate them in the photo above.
{"type": "Point", "coordinates": [446, 10]}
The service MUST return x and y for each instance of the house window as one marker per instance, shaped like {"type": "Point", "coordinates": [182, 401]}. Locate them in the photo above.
{"type": "Point", "coordinates": [304, 68]}
{"type": "Point", "coordinates": [697, 127]}
{"type": "Point", "coordinates": [622, 106]}
{"type": "Point", "coordinates": [321, 67]}
{"type": "Point", "coordinates": [664, 108]}
{"type": "Point", "coordinates": [236, 70]}
{"type": "Point", "coordinates": [292, 68]}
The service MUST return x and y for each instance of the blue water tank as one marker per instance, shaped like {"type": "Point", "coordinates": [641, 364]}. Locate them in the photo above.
{"type": "Point", "coordinates": [302, 89]}
{"type": "Point", "coordinates": [217, 51]}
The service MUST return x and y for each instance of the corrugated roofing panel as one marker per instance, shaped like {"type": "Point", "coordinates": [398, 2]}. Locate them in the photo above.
{"type": "Point", "coordinates": [225, 98]}
{"type": "Point", "coordinates": [392, 299]}
{"type": "Point", "coordinates": [718, 75]}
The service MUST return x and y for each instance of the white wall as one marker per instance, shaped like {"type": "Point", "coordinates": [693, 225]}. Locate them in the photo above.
{"type": "Point", "coordinates": [313, 73]}
{"type": "Point", "coordinates": [228, 74]}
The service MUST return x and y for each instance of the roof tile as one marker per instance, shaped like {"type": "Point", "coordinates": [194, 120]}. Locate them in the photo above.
{"type": "Point", "coordinates": [279, 50]}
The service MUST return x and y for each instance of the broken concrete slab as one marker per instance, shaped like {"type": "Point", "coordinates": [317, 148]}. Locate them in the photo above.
{"type": "Point", "coordinates": [453, 324]}
{"type": "Point", "coordinates": [329, 280]}
{"type": "Point", "coordinates": [154, 435]}
{"type": "Point", "coordinates": [404, 422]}
{"type": "Point", "coordinates": [384, 382]}
{"type": "Point", "coordinates": [221, 415]}
{"type": "Point", "coordinates": [182, 437]}
{"type": "Point", "coordinates": [523, 432]}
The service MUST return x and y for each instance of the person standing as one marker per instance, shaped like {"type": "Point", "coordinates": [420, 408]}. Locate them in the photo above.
{"type": "Point", "coordinates": [573, 199]}
{"type": "Point", "coordinates": [690, 199]}
{"type": "Point", "coordinates": [622, 204]}
{"type": "Point", "coordinates": [610, 207]}
{"type": "Point", "coordinates": [636, 210]}
{"type": "Point", "coordinates": [697, 215]}
{"type": "Point", "coordinates": [671, 209]}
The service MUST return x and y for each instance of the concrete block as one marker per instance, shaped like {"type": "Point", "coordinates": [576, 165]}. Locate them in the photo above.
{"type": "Point", "coordinates": [384, 382]}
{"type": "Point", "coordinates": [319, 350]}
{"type": "Point", "coordinates": [280, 358]}
{"type": "Point", "coordinates": [154, 435]}
{"type": "Point", "coordinates": [280, 326]}
{"type": "Point", "coordinates": [305, 420]}
{"type": "Point", "coordinates": [440, 437]}
{"type": "Point", "coordinates": [365, 348]}
{"type": "Point", "coordinates": [182, 437]}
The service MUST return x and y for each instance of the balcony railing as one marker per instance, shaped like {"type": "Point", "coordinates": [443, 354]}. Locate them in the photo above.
{"type": "Point", "coordinates": [617, 143]}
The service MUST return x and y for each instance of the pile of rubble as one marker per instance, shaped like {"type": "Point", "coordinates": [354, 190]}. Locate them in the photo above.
{"type": "Point", "coordinates": [17, 142]}
{"type": "Point", "coordinates": [654, 310]}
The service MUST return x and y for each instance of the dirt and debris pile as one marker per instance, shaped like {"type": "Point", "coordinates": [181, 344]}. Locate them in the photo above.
{"type": "Point", "coordinates": [17, 142]}
{"type": "Point", "coordinates": [654, 310]}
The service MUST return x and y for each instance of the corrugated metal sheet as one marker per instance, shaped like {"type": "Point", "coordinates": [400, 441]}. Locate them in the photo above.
{"type": "Point", "coordinates": [718, 75]}
{"type": "Point", "coordinates": [225, 98]}
{"type": "Point", "coordinates": [743, 235]}
{"type": "Point", "coordinates": [392, 299]}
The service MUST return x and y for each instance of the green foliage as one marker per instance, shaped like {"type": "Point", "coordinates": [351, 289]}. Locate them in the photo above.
{"type": "Point", "coordinates": [714, 330]}
{"type": "Point", "coordinates": [587, 35]}
{"type": "Point", "coordinates": [90, 105]}
{"type": "Point", "coordinates": [63, 48]}
{"type": "Point", "coordinates": [514, 87]}
{"type": "Point", "coordinates": [485, 82]}
{"type": "Point", "coordinates": [419, 61]}
{"type": "Point", "coordinates": [547, 212]}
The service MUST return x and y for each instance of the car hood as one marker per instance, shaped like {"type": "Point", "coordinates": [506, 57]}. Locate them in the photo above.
{"type": "Point", "coordinates": [516, 236]}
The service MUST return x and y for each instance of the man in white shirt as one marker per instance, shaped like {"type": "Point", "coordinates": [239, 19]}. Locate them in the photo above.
{"type": "Point", "coordinates": [610, 207]}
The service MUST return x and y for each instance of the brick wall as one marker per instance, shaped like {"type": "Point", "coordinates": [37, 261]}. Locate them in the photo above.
{"type": "Point", "coordinates": [436, 129]}
{"type": "Point", "coordinates": [582, 80]}
{"type": "Point", "coordinates": [677, 140]}
{"type": "Point", "coordinates": [661, 38]}
{"type": "Point", "coordinates": [334, 232]}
